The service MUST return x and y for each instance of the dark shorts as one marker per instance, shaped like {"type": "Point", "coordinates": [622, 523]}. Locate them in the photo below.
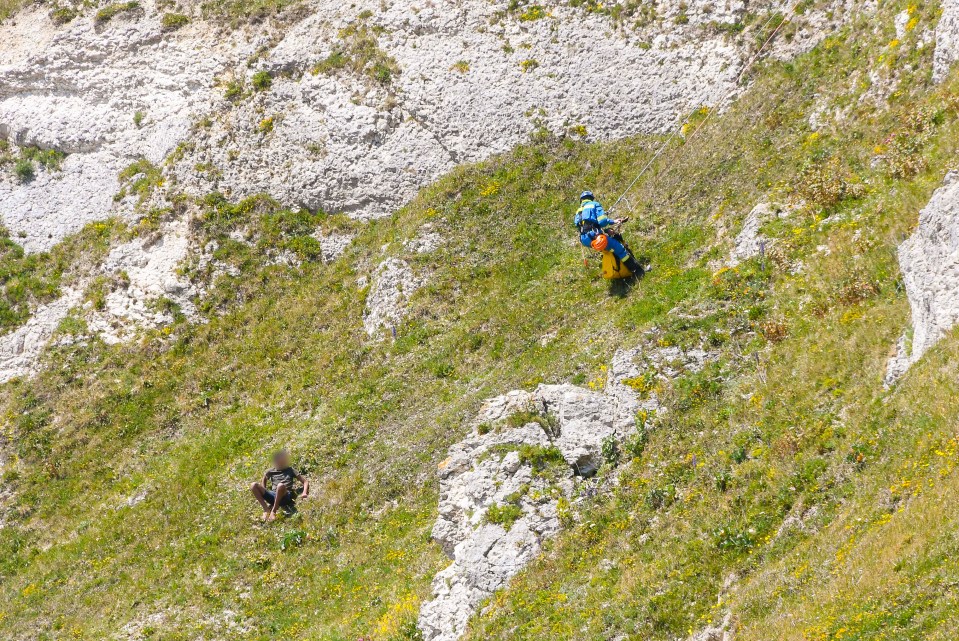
{"type": "Point", "coordinates": [270, 497]}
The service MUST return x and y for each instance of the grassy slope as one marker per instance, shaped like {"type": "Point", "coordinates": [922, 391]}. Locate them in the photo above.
{"type": "Point", "coordinates": [792, 417]}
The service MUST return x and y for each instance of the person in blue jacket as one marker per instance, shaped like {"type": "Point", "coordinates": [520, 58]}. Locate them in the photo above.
{"type": "Point", "coordinates": [592, 221]}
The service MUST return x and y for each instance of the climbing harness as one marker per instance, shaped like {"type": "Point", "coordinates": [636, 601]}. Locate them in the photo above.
{"type": "Point", "coordinates": [787, 17]}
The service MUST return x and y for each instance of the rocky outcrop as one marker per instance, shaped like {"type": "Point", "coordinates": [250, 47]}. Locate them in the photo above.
{"type": "Point", "coordinates": [393, 283]}
{"type": "Point", "coordinates": [475, 78]}
{"type": "Point", "coordinates": [20, 350]}
{"type": "Point", "coordinates": [148, 288]}
{"type": "Point", "coordinates": [496, 466]}
{"type": "Point", "coordinates": [750, 242]}
{"type": "Point", "coordinates": [929, 260]}
{"type": "Point", "coordinates": [77, 89]}
{"type": "Point", "coordinates": [947, 40]}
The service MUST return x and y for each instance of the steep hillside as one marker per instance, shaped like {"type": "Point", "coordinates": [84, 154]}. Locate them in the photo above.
{"type": "Point", "coordinates": [757, 440]}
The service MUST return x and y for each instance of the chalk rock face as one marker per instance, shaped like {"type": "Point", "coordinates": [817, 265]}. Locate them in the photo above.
{"type": "Point", "coordinates": [147, 271]}
{"type": "Point", "coordinates": [929, 260]}
{"type": "Point", "coordinates": [750, 242]}
{"type": "Point", "coordinates": [20, 350]}
{"type": "Point", "coordinates": [76, 89]}
{"type": "Point", "coordinates": [488, 470]}
{"type": "Point", "coordinates": [947, 40]}
{"type": "Point", "coordinates": [393, 283]}
{"type": "Point", "coordinates": [474, 80]}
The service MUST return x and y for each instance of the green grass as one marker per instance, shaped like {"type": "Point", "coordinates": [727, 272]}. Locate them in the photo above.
{"type": "Point", "coordinates": [358, 52]}
{"type": "Point", "coordinates": [111, 11]}
{"type": "Point", "coordinates": [789, 420]}
{"type": "Point", "coordinates": [262, 80]}
{"type": "Point", "coordinates": [239, 12]}
{"type": "Point", "coordinates": [174, 21]}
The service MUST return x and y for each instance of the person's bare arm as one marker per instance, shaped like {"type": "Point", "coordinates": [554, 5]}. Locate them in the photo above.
{"type": "Point", "coordinates": [306, 485]}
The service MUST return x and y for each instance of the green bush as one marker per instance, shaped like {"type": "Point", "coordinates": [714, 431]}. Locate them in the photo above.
{"type": "Point", "coordinates": [505, 515]}
{"type": "Point", "coordinates": [235, 90]}
{"type": "Point", "coordinates": [110, 11]}
{"type": "Point", "coordinates": [24, 170]}
{"type": "Point", "coordinates": [262, 80]}
{"type": "Point", "coordinates": [63, 15]}
{"type": "Point", "coordinates": [359, 52]}
{"type": "Point", "coordinates": [49, 159]}
{"type": "Point", "coordinates": [173, 21]}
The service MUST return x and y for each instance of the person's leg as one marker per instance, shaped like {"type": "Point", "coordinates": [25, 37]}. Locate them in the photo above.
{"type": "Point", "coordinates": [259, 491]}
{"type": "Point", "coordinates": [620, 251]}
{"type": "Point", "coordinates": [281, 493]}
{"type": "Point", "coordinates": [617, 248]}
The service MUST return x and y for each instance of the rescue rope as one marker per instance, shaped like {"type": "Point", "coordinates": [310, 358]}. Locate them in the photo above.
{"type": "Point", "coordinates": [676, 129]}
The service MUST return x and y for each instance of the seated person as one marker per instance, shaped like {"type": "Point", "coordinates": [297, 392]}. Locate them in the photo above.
{"type": "Point", "coordinates": [278, 488]}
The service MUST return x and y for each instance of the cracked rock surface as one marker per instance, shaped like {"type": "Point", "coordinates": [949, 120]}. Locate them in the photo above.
{"type": "Point", "coordinates": [929, 260]}
{"type": "Point", "coordinates": [474, 80]}
{"type": "Point", "coordinates": [487, 469]}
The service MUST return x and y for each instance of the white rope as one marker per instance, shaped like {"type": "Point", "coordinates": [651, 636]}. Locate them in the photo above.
{"type": "Point", "coordinates": [676, 129]}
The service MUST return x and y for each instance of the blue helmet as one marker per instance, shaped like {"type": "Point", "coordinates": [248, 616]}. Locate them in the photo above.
{"type": "Point", "coordinates": [586, 195]}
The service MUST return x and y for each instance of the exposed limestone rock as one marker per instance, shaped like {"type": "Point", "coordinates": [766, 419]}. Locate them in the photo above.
{"type": "Point", "coordinates": [720, 632]}
{"type": "Point", "coordinates": [425, 242]}
{"type": "Point", "coordinates": [486, 470]}
{"type": "Point", "coordinates": [20, 350]}
{"type": "Point", "coordinates": [340, 143]}
{"type": "Point", "coordinates": [750, 242]}
{"type": "Point", "coordinates": [929, 260]}
{"type": "Point", "coordinates": [947, 40]}
{"type": "Point", "coordinates": [76, 89]}
{"type": "Point", "coordinates": [147, 269]}
{"type": "Point", "coordinates": [393, 283]}
{"type": "Point", "coordinates": [333, 245]}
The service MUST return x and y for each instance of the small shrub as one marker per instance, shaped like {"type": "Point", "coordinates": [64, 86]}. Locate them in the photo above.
{"type": "Point", "coordinates": [234, 90]}
{"type": "Point", "coordinates": [138, 118]}
{"type": "Point", "coordinates": [827, 183]}
{"type": "Point", "coordinates": [292, 539]}
{"type": "Point", "coordinates": [63, 15]}
{"type": "Point", "coordinates": [855, 289]}
{"type": "Point", "coordinates": [533, 12]}
{"type": "Point", "coordinates": [24, 170]}
{"type": "Point", "coordinates": [49, 159]}
{"type": "Point", "coordinates": [460, 66]}
{"type": "Point", "coordinates": [528, 65]}
{"type": "Point", "coordinates": [262, 80]}
{"type": "Point", "coordinates": [774, 330]}
{"type": "Point", "coordinates": [660, 497]}
{"type": "Point", "coordinates": [722, 480]}
{"type": "Point", "coordinates": [635, 445]}
{"type": "Point", "coordinates": [484, 428]}
{"type": "Point", "coordinates": [729, 539]}
{"type": "Point", "coordinates": [739, 454]}
{"type": "Point", "coordinates": [266, 125]}
{"type": "Point", "coordinates": [360, 53]}
{"type": "Point", "coordinates": [611, 452]}
{"type": "Point", "coordinates": [903, 149]}
{"type": "Point", "coordinates": [110, 11]}
{"type": "Point", "coordinates": [173, 21]}
{"type": "Point", "coordinates": [504, 515]}
{"type": "Point", "coordinates": [139, 178]}
{"type": "Point", "coordinates": [642, 384]}
{"type": "Point", "coordinates": [539, 457]}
